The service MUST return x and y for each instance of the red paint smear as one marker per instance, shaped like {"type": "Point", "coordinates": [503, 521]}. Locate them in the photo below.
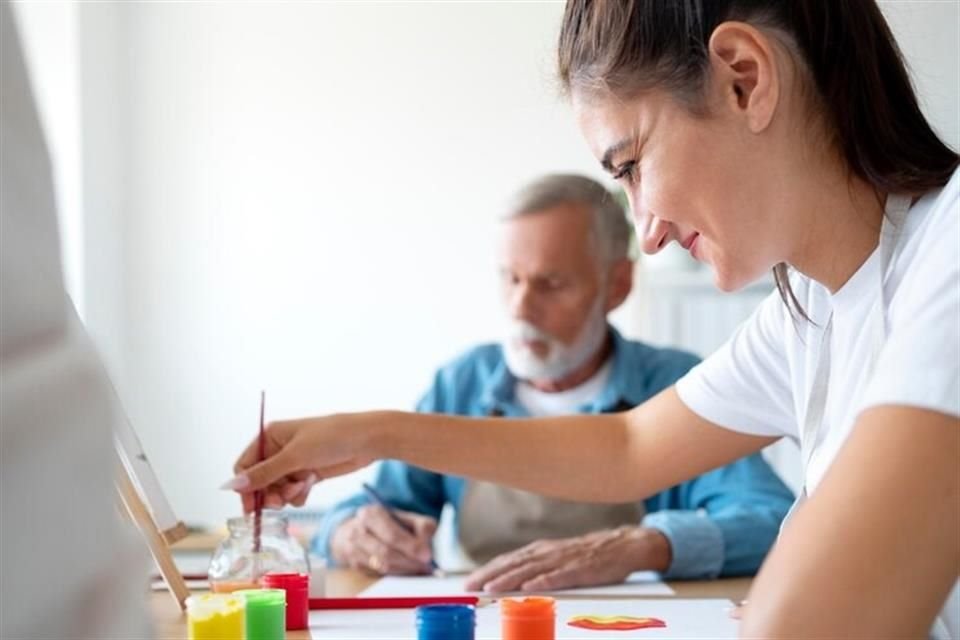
{"type": "Point", "coordinates": [622, 623]}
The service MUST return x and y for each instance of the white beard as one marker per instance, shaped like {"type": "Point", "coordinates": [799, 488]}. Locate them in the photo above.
{"type": "Point", "coordinates": [560, 359]}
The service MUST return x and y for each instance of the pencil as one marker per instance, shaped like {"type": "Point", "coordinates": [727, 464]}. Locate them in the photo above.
{"type": "Point", "coordinates": [406, 526]}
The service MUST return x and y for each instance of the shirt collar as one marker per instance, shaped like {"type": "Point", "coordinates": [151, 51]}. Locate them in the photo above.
{"type": "Point", "coordinates": [624, 389]}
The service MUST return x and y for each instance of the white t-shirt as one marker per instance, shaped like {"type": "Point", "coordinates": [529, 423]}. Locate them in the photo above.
{"type": "Point", "coordinates": [560, 403]}
{"type": "Point", "coordinates": [760, 381]}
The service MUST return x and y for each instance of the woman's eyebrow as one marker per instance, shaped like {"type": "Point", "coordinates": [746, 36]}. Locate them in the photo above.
{"type": "Point", "coordinates": [607, 160]}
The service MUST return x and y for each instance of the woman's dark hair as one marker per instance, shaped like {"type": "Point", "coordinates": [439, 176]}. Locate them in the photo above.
{"type": "Point", "coordinates": [861, 85]}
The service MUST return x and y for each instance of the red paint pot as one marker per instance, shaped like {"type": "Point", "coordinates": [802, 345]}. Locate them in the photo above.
{"type": "Point", "coordinates": [297, 586]}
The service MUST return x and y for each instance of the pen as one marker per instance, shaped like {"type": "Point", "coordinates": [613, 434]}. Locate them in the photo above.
{"type": "Point", "coordinates": [406, 526]}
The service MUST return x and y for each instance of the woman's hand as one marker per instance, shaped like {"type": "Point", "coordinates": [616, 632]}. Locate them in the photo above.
{"type": "Point", "coordinates": [300, 453]}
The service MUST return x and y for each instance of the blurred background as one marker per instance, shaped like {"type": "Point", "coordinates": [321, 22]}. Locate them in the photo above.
{"type": "Point", "coordinates": [302, 198]}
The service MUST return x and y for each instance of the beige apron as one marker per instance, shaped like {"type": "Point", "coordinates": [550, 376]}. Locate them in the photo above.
{"type": "Point", "coordinates": [495, 519]}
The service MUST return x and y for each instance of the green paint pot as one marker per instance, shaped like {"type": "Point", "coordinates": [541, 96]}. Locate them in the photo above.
{"type": "Point", "coordinates": [266, 613]}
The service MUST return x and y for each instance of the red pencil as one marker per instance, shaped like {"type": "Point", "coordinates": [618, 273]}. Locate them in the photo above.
{"type": "Point", "coordinates": [389, 603]}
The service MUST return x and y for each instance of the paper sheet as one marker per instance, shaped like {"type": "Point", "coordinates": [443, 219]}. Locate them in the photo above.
{"type": "Point", "coordinates": [641, 583]}
{"type": "Point", "coordinates": [686, 619]}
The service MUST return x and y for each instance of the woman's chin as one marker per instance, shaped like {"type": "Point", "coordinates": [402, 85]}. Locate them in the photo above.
{"type": "Point", "coordinates": [730, 281]}
{"type": "Point", "coordinates": [725, 285]}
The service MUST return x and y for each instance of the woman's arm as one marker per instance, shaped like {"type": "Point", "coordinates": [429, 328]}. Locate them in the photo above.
{"type": "Point", "coordinates": [876, 549]}
{"type": "Point", "coordinates": [604, 458]}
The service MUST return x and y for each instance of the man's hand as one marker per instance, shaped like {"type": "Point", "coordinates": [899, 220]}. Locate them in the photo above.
{"type": "Point", "coordinates": [373, 542]}
{"type": "Point", "coordinates": [602, 557]}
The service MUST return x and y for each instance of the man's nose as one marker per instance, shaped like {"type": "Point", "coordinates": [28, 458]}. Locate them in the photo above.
{"type": "Point", "coordinates": [523, 304]}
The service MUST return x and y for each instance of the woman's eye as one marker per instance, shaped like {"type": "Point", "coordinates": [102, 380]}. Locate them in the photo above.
{"type": "Point", "coordinates": [627, 171]}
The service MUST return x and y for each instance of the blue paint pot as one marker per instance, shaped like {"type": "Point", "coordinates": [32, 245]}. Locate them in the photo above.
{"type": "Point", "coordinates": [446, 622]}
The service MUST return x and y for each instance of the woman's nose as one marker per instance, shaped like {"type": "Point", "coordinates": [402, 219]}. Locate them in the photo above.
{"type": "Point", "coordinates": [653, 233]}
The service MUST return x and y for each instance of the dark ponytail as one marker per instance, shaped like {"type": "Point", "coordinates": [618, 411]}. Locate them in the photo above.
{"type": "Point", "coordinates": [862, 88]}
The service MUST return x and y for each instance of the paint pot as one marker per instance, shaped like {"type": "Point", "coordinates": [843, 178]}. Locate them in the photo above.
{"type": "Point", "coordinates": [532, 618]}
{"type": "Point", "coordinates": [446, 622]}
{"type": "Point", "coordinates": [215, 616]}
{"type": "Point", "coordinates": [297, 586]}
{"type": "Point", "coordinates": [266, 613]}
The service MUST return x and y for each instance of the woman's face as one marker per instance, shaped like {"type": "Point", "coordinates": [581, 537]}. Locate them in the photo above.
{"type": "Point", "coordinates": [706, 182]}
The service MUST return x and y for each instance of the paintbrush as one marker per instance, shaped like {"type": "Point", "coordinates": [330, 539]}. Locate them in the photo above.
{"type": "Point", "coordinates": [258, 495]}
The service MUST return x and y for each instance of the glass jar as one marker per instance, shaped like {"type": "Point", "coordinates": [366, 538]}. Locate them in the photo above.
{"type": "Point", "coordinates": [236, 566]}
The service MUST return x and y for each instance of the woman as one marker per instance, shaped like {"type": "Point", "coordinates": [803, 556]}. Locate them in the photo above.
{"type": "Point", "coordinates": [757, 135]}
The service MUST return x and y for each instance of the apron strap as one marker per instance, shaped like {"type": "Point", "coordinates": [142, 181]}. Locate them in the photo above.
{"type": "Point", "coordinates": [895, 213]}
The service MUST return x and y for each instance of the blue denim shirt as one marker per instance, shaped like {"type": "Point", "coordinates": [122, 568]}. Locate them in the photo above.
{"type": "Point", "coordinates": [721, 523]}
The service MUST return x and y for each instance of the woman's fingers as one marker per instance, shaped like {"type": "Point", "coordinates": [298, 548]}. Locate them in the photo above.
{"type": "Point", "coordinates": [295, 451]}
{"type": "Point", "coordinates": [264, 474]}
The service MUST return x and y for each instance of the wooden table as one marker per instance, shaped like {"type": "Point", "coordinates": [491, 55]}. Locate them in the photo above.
{"type": "Point", "coordinates": [170, 623]}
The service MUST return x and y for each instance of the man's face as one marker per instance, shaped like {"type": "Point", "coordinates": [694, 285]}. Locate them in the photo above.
{"type": "Point", "coordinates": [553, 290]}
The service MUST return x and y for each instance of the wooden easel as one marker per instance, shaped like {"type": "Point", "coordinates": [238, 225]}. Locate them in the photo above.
{"type": "Point", "coordinates": [158, 541]}
{"type": "Point", "coordinates": [143, 500]}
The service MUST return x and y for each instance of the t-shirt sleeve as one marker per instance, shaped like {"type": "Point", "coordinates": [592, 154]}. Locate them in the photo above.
{"type": "Point", "coordinates": [923, 334]}
{"type": "Point", "coordinates": [745, 385]}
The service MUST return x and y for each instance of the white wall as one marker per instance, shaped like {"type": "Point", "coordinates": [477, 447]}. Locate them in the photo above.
{"type": "Point", "coordinates": [300, 196]}
{"type": "Point", "coordinates": [310, 197]}
{"type": "Point", "coordinates": [928, 32]}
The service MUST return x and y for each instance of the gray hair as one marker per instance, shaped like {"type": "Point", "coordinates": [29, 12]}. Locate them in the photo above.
{"type": "Point", "coordinates": [611, 228]}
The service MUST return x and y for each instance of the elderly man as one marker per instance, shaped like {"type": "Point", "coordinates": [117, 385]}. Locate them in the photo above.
{"type": "Point", "coordinates": [565, 266]}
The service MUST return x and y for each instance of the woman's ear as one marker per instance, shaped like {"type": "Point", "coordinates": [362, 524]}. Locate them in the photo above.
{"type": "Point", "coordinates": [744, 73]}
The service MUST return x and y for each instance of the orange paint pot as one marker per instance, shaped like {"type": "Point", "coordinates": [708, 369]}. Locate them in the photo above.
{"type": "Point", "coordinates": [532, 618]}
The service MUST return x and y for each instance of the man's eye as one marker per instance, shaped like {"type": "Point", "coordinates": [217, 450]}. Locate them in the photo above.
{"type": "Point", "coordinates": [553, 284]}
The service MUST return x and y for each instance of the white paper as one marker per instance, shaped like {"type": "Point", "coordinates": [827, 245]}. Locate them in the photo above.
{"type": "Point", "coordinates": [686, 619]}
{"type": "Point", "coordinates": [639, 584]}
